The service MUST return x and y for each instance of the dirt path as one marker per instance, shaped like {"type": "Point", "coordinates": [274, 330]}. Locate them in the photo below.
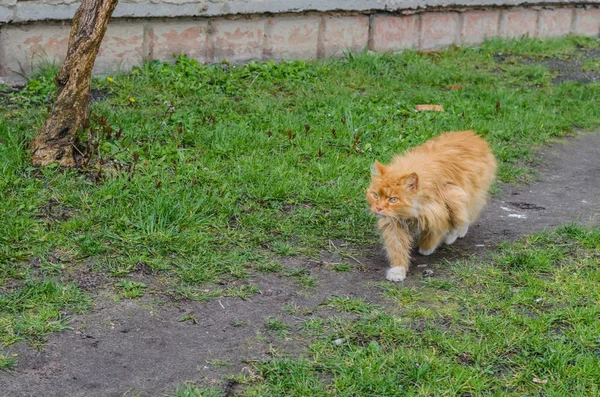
{"type": "Point", "coordinates": [141, 347]}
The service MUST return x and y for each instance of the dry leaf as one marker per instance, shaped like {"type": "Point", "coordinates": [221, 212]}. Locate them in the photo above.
{"type": "Point", "coordinates": [540, 381]}
{"type": "Point", "coordinates": [432, 108]}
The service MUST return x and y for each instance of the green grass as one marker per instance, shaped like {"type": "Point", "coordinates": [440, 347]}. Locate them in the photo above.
{"type": "Point", "coordinates": [207, 174]}
{"type": "Point", "coordinates": [131, 289]}
{"type": "Point", "coordinates": [34, 309]}
{"type": "Point", "coordinates": [524, 322]}
{"type": "Point", "coordinates": [7, 363]}
{"type": "Point", "coordinates": [276, 325]}
{"type": "Point", "coordinates": [591, 65]}
{"type": "Point", "coordinates": [349, 305]}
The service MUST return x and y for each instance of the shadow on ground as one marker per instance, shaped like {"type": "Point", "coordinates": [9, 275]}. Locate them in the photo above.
{"type": "Point", "coordinates": [142, 347]}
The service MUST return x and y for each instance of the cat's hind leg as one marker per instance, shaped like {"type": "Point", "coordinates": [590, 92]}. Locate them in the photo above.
{"type": "Point", "coordinates": [451, 237]}
{"type": "Point", "coordinates": [429, 241]}
{"type": "Point", "coordinates": [457, 203]}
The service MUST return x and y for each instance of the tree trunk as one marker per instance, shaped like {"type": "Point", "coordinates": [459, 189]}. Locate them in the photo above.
{"type": "Point", "coordinates": [55, 142]}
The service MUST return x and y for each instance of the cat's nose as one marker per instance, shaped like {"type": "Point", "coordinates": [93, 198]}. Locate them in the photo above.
{"type": "Point", "coordinates": [379, 209]}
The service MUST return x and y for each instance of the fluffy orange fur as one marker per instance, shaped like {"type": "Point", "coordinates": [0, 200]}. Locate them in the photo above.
{"type": "Point", "coordinates": [433, 192]}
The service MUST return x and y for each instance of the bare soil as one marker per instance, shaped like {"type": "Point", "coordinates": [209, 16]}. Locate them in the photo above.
{"type": "Point", "coordinates": [142, 347]}
{"type": "Point", "coordinates": [571, 69]}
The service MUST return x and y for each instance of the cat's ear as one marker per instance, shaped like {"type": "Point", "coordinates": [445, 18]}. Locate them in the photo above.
{"type": "Point", "coordinates": [377, 169]}
{"type": "Point", "coordinates": [412, 182]}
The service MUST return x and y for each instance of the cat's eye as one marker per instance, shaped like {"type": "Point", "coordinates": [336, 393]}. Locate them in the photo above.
{"type": "Point", "coordinates": [393, 199]}
{"type": "Point", "coordinates": [375, 196]}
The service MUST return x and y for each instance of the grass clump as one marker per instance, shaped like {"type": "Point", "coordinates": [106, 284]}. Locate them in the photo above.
{"type": "Point", "coordinates": [29, 312]}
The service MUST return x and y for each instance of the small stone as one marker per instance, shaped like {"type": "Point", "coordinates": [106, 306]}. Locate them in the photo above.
{"type": "Point", "coordinates": [338, 342]}
{"type": "Point", "coordinates": [428, 273]}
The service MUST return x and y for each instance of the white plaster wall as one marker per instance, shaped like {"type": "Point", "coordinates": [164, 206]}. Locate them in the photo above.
{"type": "Point", "coordinates": [12, 11]}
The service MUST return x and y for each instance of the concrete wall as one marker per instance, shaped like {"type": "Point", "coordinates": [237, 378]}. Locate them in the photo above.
{"type": "Point", "coordinates": [241, 31]}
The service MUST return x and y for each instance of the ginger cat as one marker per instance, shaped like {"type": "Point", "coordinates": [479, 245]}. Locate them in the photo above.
{"type": "Point", "coordinates": [434, 191]}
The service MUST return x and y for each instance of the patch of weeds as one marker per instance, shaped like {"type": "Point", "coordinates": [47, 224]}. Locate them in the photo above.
{"type": "Point", "coordinates": [239, 323]}
{"type": "Point", "coordinates": [590, 239]}
{"type": "Point", "coordinates": [197, 294]}
{"type": "Point", "coordinates": [288, 378]}
{"type": "Point", "coordinates": [537, 75]}
{"type": "Point", "coordinates": [268, 267]}
{"type": "Point", "coordinates": [302, 277]}
{"type": "Point", "coordinates": [540, 48]}
{"type": "Point", "coordinates": [242, 292]}
{"type": "Point", "coordinates": [7, 363]}
{"type": "Point", "coordinates": [296, 272]}
{"type": "Point", "coordinates": [341, 267]}
{"type": "Point", "coordinates": [131, 289]}
{"type": "Point", "coordinates": [277, 325]}
{"type": "Point", "coordinates": [119, 269]}
{"type": "Point", "coordinates": [188, 317]}
{"type": "Point", "coordinates": [421, 313]}
{"type": "Point", "coordinates": [444, 285]}
{"type": "Point", "coordinates": [219, 363]}
{"type": "Point", "coordinates": [291, 308]}
{"type": "Point", "coordinates": [591, 65]}
{"type": "Point", "coordinates": [512, 173]}
{"type": "Point", "coordinates": [314, 325]}
{"type": "Point", "coordinates": [37, 308]}
{"type": "Point", "coordinates": [260, 337]}
{"type": "Point", "coordinates": [349, 305]}
{"type": "Point", "coordinates": [307, 281]}
{"type": "Point", "coordinates": [401, 294]}
{"type": "Point", "coordinates": [40, 88]}
{"type": "Point", "coordinates": [284, 249]}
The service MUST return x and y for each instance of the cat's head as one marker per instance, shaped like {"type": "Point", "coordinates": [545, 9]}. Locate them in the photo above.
{"type": "Point", "coordinates": [392, 193]}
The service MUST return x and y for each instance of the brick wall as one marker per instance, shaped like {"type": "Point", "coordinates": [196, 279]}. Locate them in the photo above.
{"type": "Point", "coordinates": [129, 42]}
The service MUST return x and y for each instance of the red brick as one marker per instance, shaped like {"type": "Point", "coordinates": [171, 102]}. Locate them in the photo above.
{"type": "Point", "coordinates": [479, 25]}
{"type": "Point", "coordinates": [186, 37]}
{"type": "Point", "coordinates": [394, 33]}
{"type": "Point", "coordinates": [292, 37]}
{"type": "Point", "coordinates": [555, 22]}
{"type": "Point", "coordinates": [343, 33]}
{"type": "Point", "coordinates": [25, 46]}
{"type": "Point", "coordinates": [238, 40]}
{"type": "Point", "coordinates": [438, 30]}
{"type": "Point", "coordinates": [587, 21]}
{"type": "Point", "coordinates": [518, 22]}
{"type": "Point", "coordinates": [121, 48]}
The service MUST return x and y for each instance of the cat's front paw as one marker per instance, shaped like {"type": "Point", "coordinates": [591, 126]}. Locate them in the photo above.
{"type": "Point", "coordinates": [396, 274]}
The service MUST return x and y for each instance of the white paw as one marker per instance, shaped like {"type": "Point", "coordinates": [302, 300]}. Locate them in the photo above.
{"type": "Point", "coordinates": [427, 252]}
{"type": "Point", "coordinates": [462, 232]}
{"type": "Point", "coordinates": [451, 237]}
{"type": "Point", "coordinates": [396, 274]}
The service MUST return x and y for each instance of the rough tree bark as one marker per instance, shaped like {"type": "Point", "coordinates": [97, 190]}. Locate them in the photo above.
{"type": "Point", "coordinates": [55, 142]}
